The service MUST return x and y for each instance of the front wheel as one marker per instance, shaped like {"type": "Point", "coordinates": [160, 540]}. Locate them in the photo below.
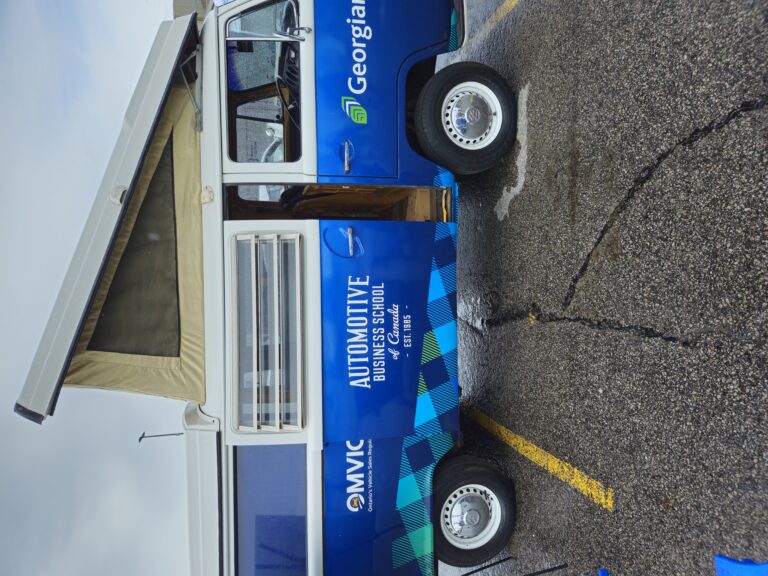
{"type": "Point", "coordinates": [466, 118]}
{"type": "Point", "coordinates": [474, 511]}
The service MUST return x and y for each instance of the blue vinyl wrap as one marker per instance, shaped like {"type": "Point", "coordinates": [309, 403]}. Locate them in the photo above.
{"type": "Point", "coordinates": [396, 255]}
{"type": "Point", "coordinates": [402, 32]}
{"type": "Point", "coordinates": [386, 426]}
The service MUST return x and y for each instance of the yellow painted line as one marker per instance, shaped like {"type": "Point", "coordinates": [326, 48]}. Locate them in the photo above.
{"type": "Point", "coordinates": [491, 23]}
{"type": "Point", "coordinates": [561, 470]}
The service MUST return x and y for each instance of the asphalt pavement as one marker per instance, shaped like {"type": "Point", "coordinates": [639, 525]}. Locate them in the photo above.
{"type": "Point", "coordinates": [613, 280]}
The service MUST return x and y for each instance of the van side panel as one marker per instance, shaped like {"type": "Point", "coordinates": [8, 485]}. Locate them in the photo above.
{"type": "Point", "coordinates": [387, 528]}
{"type": "Point", "coordinates": [389, 322]}
{"type": "Point", "coordinates": [390, 389]}
{"type": "Point", "coordinates": [361, 49]}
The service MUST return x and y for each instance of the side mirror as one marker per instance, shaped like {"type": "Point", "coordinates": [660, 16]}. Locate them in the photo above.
{"type": "Point", "coordinates": [287, 18]}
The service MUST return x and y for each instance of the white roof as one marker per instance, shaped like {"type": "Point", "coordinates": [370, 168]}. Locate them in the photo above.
{"type": "Point", "coordinates": [173, 43]}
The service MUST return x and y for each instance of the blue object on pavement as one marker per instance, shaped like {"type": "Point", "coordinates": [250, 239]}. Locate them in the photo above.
{"type": "Point", "coordinates": [603, 572]}
{"type": "Point", "coordinates": [725, 566]}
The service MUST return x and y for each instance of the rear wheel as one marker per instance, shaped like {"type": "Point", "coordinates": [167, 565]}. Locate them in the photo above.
{"type": "Point", "coordinates": [474, 511]}
{"type": "Point", "coordinates": [466, 118]}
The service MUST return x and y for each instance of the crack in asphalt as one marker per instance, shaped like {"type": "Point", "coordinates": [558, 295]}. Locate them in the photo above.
{"type": "Point", "coordinates": [647, 173]}
{"type": "Point", "coordinates": [534, 313]}
{"type": "Point", "coordinates": [612, 325]}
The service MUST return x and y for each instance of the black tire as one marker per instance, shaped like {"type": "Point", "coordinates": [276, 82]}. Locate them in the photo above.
{"type": "Point", "coordinates": [430, 120]}
{"type": "Point", "coordinates": [451, 476]}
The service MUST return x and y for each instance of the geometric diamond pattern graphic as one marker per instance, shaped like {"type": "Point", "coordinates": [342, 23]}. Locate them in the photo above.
{"type": "Point", "coordinates": [436, 409]}
{"type": "Point", "coordinates": [453, 39]}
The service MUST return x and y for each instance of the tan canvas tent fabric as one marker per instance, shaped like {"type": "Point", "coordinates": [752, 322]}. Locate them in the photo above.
{"type": "Point", "coordinates": [144, 330]}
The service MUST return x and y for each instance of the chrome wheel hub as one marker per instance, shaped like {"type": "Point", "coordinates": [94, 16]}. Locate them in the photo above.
{"type": "Point", "coordinates": [470, 516]}
{"type": "Point", "coordinates": [472, 115]}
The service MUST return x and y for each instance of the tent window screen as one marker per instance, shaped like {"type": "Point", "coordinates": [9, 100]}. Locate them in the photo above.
{"type": "Point", "coordinates": [141, 311]}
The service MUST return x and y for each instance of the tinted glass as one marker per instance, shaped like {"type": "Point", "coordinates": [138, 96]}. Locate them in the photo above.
{"type": "Point", "coordinates": [250, 64]}
{"type": "Point", "coordinates": [263, 81]}
{"type": "Point", "coordinates": [260, 192]}
{"type": "Point", "coordinates": [271, 508]}
{"type": "Point", "coordinates": [260, 131]}
{"type": "Point", "coordinates": [289, 333]}
{"type": "Point", "coordinates": [267, 331]}
{"type": "Point", "coordinates": [245, 332]}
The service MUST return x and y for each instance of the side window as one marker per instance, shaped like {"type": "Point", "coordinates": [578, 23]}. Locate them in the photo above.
{"type": "Point", "coordinates": [269, 342]}
{"type": "Point", "coordinates": [271, 201]}
{"type": "Point", "coordinates": [270, 510]}
{"type": "Point", "coordinates": [263, 86]}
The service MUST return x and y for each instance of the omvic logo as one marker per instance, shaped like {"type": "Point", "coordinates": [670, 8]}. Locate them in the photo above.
{"type": "Point", "coordinates": [355, 479]}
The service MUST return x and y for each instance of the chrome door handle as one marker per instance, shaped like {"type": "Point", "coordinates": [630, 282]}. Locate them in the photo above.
{"type": "Point", "coordinates": [347, 156]}
{"type": "Point", "coordinates": [351, 240]}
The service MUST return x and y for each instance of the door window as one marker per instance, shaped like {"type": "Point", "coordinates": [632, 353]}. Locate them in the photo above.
{"type": "Point", "coordinates": [263, 86]}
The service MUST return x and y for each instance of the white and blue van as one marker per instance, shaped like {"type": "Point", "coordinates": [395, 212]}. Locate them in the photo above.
{"type": "Point", "coordinates": [274, 242]}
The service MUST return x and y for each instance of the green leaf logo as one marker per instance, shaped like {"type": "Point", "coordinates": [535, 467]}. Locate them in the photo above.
{"type": "Point", "coordinates": [352, 108]}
